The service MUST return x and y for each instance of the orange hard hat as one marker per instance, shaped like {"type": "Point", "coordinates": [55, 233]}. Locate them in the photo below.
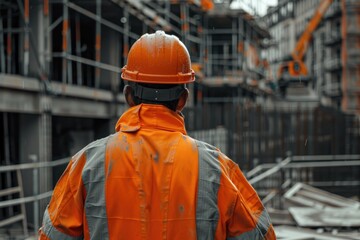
{"type": "Point", "coordinates": [158, 58]}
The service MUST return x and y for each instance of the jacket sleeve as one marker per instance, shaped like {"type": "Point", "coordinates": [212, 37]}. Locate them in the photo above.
{"type": "Point", "coordinates": [250, 219]}
{"type": "Point", "coordinates": [63, 217]}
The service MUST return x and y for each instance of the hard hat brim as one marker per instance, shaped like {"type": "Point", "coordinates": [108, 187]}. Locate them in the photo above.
{"type": "Point", "coordinates": [136, 76]}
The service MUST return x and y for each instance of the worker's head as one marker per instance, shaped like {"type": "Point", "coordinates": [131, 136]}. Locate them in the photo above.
{"type": "Point", "coordinates": [157, 71]}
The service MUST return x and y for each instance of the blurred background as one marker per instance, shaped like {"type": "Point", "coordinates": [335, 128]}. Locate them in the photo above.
{"type": "Point", "coordinates": [277, 89]}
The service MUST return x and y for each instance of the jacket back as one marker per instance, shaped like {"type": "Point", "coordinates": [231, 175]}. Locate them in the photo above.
{"type": "Point", "coordinates": [150, 180]}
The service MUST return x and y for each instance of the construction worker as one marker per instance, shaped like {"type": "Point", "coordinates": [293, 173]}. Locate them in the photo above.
{"type": "Point", "coordinates": [150, 180]}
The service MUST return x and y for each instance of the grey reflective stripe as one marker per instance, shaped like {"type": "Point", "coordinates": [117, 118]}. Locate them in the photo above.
{"type": "Point", "coordinates": [51, 232]}
{"type": "Point", "coordinates": [259, 231]}
{"type": "Point", "coordinates": [207, 213]}
{"type": "Point", "coordinates": [94, 181]}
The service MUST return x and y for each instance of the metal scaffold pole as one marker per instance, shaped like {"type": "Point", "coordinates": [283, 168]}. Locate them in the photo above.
{"type": "Point", "coordinates": [68, 52]}
{"type": "Point", "coordinates": [233, 50]}
{"type": "Point", "coordinates": [26, 38]}
{"type": "Point", "coordinates": [184, 16]}
{"type": "Point", "coordinates": [2, 52]}
{"type": "Point", "coordinates": [78, 49]}
{"type": "Point", "coordinates": [45, 149]}
{"type": "Point", "coordinates": [9, 42]}
{"type": "Point", "coordinates": [26, 44]}
{"type": "Point", "coordinates": [47, 39]}
{"type": "Point", "coordinates": [64, 39]}
{"type": "Point", "coordinates": [7, 154]}
{"type": "Point", "coordinates": [167, 11]}
{"type": "Point", "coordinates": [35, 179]}
{"type": "Point", "coordinates": [126, 34]}
{"type": "Point", "coordinates": [98, 43]}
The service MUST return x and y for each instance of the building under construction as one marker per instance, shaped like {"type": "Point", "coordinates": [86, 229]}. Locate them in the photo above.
{"type": "Point", "coordinates": [329, 33]}
{"type": "Point", "coordinates": [60, 88]}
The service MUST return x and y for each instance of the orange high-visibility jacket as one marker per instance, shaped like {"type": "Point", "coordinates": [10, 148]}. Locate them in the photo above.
{"type": "Point", "coordinates": [150, 180]}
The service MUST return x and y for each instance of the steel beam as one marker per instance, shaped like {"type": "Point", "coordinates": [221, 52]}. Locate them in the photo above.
{"type": "Point", "coordinates": [80, 108]}
{"type": "Point", "coordinates": [20, 102]}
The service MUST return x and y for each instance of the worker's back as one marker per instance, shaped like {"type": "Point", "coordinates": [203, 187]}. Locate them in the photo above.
{"type": "Point", "coordinates": [152, 175]}
{"type": "Point", "coordinates": [152, 181]}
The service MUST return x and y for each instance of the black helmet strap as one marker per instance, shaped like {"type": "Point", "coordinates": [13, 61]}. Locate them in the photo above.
{"type": "Point", "coordinates": [158, 95]}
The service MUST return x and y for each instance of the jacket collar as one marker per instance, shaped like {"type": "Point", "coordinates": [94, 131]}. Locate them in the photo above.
{"type": "Point", "coordinates": [150, 116]}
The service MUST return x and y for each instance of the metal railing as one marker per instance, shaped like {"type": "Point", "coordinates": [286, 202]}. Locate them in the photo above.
{"type": "Point", "coordinates": [260, 134]}
{"type": "Point", "coordinates": [36, 197]}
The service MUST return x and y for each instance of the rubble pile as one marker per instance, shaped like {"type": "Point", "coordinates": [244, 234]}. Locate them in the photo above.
{"type": "Point", "coordinates": [311, 213]}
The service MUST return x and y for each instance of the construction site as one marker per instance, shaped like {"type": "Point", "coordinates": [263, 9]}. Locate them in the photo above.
{"type": "Point", "coordinates": [279, 93]}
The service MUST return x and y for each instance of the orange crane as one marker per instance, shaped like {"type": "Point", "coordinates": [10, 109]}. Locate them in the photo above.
{"type": "Point", "coordinates": [295, 70]}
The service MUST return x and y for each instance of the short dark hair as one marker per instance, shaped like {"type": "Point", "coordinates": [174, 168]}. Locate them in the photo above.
{"type": "Point", "coordinates": [171, 103]}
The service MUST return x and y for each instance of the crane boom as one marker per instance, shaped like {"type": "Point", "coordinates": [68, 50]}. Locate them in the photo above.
{"type": "Point", "coordinates": [303, 42]}
{"type": "Point", "coordinates": [295, 70]}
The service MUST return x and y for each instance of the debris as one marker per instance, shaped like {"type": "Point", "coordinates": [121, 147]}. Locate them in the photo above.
{"type": "Point", "coordinates": [281, 217]}
{"type": "Point", "coordinates": [294, 233]}
{"type": "Point", "coordinates": [328, 217]}
{"type": "Point", "coordinates": [314, 214]}
{"type": "Point", "coordinates": [306, 196]}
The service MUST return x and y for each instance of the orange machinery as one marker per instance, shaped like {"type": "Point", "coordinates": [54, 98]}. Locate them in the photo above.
{"type": "Point", "coordinates": [295, 70]}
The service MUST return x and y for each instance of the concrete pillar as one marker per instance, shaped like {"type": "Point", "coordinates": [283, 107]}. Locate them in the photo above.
{"type": "Point", "coordinates": [41, 124]}
{"type": "Point", "coordinates": [45, 155]}
{"type": "Point", "coordinates": [111, 54]}
{"type": "Point", "coordinates": [35, 143]}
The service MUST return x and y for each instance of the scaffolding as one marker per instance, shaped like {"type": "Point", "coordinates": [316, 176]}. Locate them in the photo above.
{"type": "Point", "coordinates": [333, 53]}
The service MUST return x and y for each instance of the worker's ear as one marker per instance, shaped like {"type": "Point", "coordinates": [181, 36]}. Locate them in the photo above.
{"type": "Point", "coordinates": [182, 100]}
{"type": "Point", "coordinates": [129, 96]}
